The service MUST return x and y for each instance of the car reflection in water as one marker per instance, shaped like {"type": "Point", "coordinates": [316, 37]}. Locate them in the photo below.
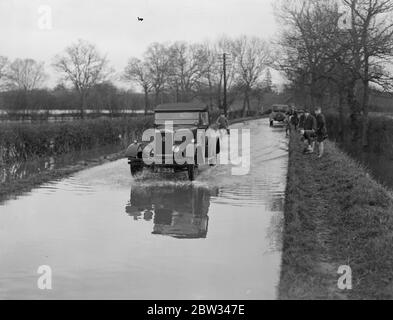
{"type": "Point", "coordinates": [177, 211]}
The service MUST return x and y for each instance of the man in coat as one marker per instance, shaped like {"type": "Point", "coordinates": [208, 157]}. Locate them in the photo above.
{"type": "Point", "coordinates": [309, 131]}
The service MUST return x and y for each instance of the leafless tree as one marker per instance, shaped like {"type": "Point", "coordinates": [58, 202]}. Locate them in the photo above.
{"type": "Point", "coordinates": [307, 45]}
{"type": "Point", "coordinates": [211, 71]}
{"type": "Point", "coordinates": [372, 47]}
{"type": "Point", "coordinates": [252, 57]}
{"type": "Point", "coordinates": [83, 66]}
{"type": "Point", "coordinates": [3, 65]}
{"type": "Point", "coordinates": [319, 53]}
{"type": "Point", "coordinates": [138, 72]}
{"type": "Point", "coordinates": [226, 45]}
{"type": "Point", "coordinates": [181, 71]}
{"type": "Point", "coordinates": [3, 69]}
{"type": "Point", "coordinates": [186, 68]}
{"type": "Point", "coordinates": [157, 57]}
{"type": "Point", "coordinates": [25, 74]}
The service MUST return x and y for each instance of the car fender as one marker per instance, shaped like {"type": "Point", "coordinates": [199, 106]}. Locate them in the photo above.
{"type": "Point", "coordinates": [134, 151]}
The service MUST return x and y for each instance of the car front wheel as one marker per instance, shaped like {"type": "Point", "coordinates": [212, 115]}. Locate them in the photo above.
{"type": "Point", "coordinates": [135, 169]}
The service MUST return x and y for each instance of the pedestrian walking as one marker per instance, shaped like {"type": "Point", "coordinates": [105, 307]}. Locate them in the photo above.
{"type": "Point", "coordinates": [293, 119]}
{"type": "Point", "coordinates": [309, 132]}
{"type": "Point", "coordinates": [287, 121]}
{"type": "Point", "coordinates": [321, 131]}
{"type": "Point", "coordinates": [287, 124]}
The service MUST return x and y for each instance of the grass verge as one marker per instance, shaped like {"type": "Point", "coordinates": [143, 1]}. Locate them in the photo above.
{"type": "Point", "coordinates": [24, 141]}
{"type": "Point", "coordinates": [335, 214]}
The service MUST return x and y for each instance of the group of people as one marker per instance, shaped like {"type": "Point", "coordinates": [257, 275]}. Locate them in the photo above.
{"type": "Point", "coordinates": [311, 127]}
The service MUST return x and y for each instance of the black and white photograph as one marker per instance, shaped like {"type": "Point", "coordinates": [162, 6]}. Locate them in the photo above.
{"type": "Point", "coordinates": [196, 150]}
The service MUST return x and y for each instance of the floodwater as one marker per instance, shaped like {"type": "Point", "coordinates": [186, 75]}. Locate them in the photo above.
{"type": "Point", "coordinates": [106, 235]}
{"type": "Point", "coordinates": [21, 170]}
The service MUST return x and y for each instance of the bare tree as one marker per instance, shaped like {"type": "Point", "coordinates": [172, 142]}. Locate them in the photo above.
{"type": "Point", "coordinates": [157, 57]}
{"type": "Point", "coordinates": [372, 47]}
{"type": "Point", "coordinates": [138, 72]}
{"type": "Point", "coordinates": [267, 82]}
{"type": "Point", "coordinates": [186, 69]}
{"type": "Point", "coordinates": [210, 71]}
{"type": "Point", "coordinates": [226, 45]}
{"type": "Point", "coordinates": [253, 57]}
{"type": "Point", "coordinates": [308, 45]}
{"type": "Point", "coordinates": [3, 65]}
{"type": "Point", "coordinates": [82, 65]}
{"type": "Point", "coordinates": [319, 53]}
{"type": "Point", "coordinates": [3, 69]}
{"type": "Point", "coordinates": [25, 74]}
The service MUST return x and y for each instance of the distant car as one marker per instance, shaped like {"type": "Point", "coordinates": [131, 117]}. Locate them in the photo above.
{"type": "Point", "coordinates": [195, 118]}
{"type": "Point", "coordinates": [278, 113]}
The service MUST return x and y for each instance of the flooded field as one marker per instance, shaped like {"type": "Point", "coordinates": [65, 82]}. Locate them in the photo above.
{"type": "Point", "coordinates": [106, 235]}
{"type": "Point", "coordinates": [25, 169]}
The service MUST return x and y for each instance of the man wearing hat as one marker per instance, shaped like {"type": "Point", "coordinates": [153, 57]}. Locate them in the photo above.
{"type": "Point", "coordinates": [222, 122]}
{"type": "Point", "coordinates": [321, 132]}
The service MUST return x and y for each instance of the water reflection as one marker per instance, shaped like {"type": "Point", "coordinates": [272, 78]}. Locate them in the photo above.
{"type": "Point", "coordinates": [236, 253]}
{"type": "Point", "coordinates": [23, 169]}
{"type": "Point", "coordinates": [177, 211]}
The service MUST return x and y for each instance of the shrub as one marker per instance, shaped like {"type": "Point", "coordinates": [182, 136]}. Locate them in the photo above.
{"type": "Point", "coordinates": [24, 141]}
{"type": "Point", "coordinates": [379, 132]}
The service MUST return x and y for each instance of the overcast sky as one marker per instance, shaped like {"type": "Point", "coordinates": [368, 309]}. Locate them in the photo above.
{"type": "Point", "coordinates": [113, 26]}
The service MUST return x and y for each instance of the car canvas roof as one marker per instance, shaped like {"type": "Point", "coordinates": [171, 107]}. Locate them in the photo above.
{"type": "Point", "coordinates": [181, 107]}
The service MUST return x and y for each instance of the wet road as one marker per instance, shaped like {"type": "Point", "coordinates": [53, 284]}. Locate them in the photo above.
{"type": "Point", "coordinates": [106, 235]}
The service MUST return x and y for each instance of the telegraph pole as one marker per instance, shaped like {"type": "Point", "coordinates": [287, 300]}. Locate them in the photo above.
{"type": "Point", "coordinates": [224, 57]}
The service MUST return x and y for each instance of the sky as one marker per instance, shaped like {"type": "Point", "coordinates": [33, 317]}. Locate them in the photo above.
{"type": "Point", "coordinates": [41, 29]}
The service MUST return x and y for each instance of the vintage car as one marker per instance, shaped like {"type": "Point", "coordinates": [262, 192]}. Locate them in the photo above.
{"type": "Point", "coordinates": [164, 150]}
{"type": "Point", "coordinates": [278, 113]}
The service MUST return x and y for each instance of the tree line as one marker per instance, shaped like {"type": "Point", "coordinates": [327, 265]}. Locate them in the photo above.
{"type": "Point", "coordinates": [335, 51]}
{"type": "Point", "coordinates": [167, 72]}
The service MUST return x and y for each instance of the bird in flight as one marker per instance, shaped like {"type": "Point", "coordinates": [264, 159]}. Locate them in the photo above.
{"type": "Point", "coordinates": [140, 19]}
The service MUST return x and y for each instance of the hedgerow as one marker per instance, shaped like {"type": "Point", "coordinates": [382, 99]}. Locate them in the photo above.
{"type": "Point", "coordinates": [19, 142]}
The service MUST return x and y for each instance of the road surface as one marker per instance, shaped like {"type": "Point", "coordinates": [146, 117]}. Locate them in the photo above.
{"type": "Point", "coordinates": [105, 235]}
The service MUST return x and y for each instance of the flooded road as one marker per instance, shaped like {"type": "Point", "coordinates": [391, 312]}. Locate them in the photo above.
{"type": "Point", "coordinates": [106, 235]}
{"type": "Point", "coordinates": [24, 169]}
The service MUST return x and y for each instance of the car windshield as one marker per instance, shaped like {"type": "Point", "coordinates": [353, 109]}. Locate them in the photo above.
{"type": "Point", "coordinates": [279, 108]}
{"type": "Point", "coordinates": [182, 118]}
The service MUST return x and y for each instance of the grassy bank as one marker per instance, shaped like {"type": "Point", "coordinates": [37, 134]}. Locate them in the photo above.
{"type": "Point", "coordinates": [20, 142]}
{"type": "Point", "coordinates": [335, 214]}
